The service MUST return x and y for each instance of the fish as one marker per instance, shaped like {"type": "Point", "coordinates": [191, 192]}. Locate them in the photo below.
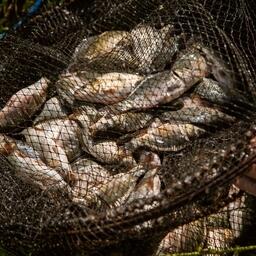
{"type": "Point", "coordinates": [219, 69]}
{"type": "Point", "coordinates": [68, 83]}
{"type": "Point", "coordinates": [166, 86]}
{"type": "Point", "coordinates": [186, 238]}
{"type": "Point", "coordinates": [23, 105]}
{"type": "Point", "coordinates": [52, 109]}
{"type": "Point", "coordinates": [218, 238]}
{"type": "Point", "coordinates": [150, 160]}
{"type": "Point", "coordinates": [124, 122]}
{"type": "Point", "coordinates": [29, 167]}
{"type": "Point", "coordinates": [116, 186]}
{"type": "Point", "coordinates": [165, 137]}
{"type": "Point", "coordinates": [88, 174]}
{"type": "Point", "coordinates": [69, 139]}
{"type": "Point", "coordinates": [153, 48]}
{"type": "Point", "coordinates": [102, 44]}
{"type": "Point", "coordinates": [51, 152]}
{"type": "Point", "coordinates": [198, 115]}
{"type": "Point", "coordinates": [108, 152]}
{"type": "Point", "coordinates": [107, 88]}
{"type": "Point", "coordinates": [212, 91]}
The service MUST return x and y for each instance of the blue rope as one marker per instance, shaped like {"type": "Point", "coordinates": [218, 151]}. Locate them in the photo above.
{"type": "Point", "coordinates": [31, 11]}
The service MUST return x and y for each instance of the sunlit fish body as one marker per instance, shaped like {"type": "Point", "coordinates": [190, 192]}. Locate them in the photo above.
{"type": "Point", "coordinates": [166, 86]}
{"type": "Point", "coordinates": [165, 136]}
{"type": "Point", "coordinates": [23, 105]}
{"type": "Point", "coordinates": [52, 153]}
{"type": "Point", "coordinates": [28, 165]}
{"type": "Point", "coordinates": [125, 122]}
{"type": "Point", "coordinates": [116, 186]}
{"type": "Point", "coordinates": [198, 116]}
{"type": "Point", "coordinates": [52, 109]}
{"type": "Point", "coordinates": [88, 174]}
{"type": "Point", "coordinates": [107, 88]}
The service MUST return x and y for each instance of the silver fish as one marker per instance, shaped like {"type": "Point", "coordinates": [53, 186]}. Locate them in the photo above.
{"type": "Point", "coordinates": [24, 104]}
{"type": "Point", "coordinates": [68, 139]}
{"type": "Point", "coordinates": [108, 152]}
{"type": "Point", "coordinates": [212, 91]}
{"type": "Point", "coordinates": [219, 69]}
{"type": "Point", "coordinates": [51, 128]}
{"type": "Point", "coordinates": [149, 186]}
{"type": "Point", "coordinates": [125, 122]}
{"type": "Point", "coordinates": [103, 44]}
{"type": "Point", "coordinates": [69, 83]}
{"type": "Point", "coordinates": [117, 186]}
{"type": "Point", "coordinates": [28, 165]}
{"type": "Point", "coordinates": [53, 154]}
{"type": "Point", "coordinates": [88, 174]}
{"type": "Point", "coordinates": [186, 238]}
{"type": "Point", "coordinates": [165, 136]}
{"type": "Point", "coordinates": [52, 109]}
{"type": "Point", "coordinates": [166, 86]}
{"type": "Point", "coordinates": [198, 116]}
{"type": "Point", "coordinates": [153, 48]}
{"type": "Point", "coordinates": [107, 88]}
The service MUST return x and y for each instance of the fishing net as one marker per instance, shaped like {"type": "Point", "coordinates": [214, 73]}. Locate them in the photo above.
{"type": "Point", "coordinates": [124, 127]}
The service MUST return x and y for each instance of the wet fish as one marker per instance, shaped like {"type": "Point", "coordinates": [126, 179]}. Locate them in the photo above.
{"type": "Point", "coordinates": [103, 44]}
{"type": "Point", "coordinates": [52, 109]}
{"type": "Point", "coordinates": [116, 186]}
{"type": "Point", "coordinates": [125, 122]}
{"type": "Point", "coordinates": [186, 238]}
{"type": "Point", "coordinates": [219, 69]}
{"type": "Point", "coordinates": [166, 86]}
{"type": "Point", "coordinates": [212, 91]}
{"type": "Point", "coordinates": [149, 160]}
{"type": "Point", "coordinates": [51, 127]}
{"type": "Point", "coordinates": [88, 174]}
{"type": "Point", "coordinates": [23, 105]}
{"type": "Point", "coordinates": [69, 83]}
{"type": "Point", "coordinates": [153, 48]}
{"type": "Point", "coordinates": [51, 152]}
{"type": "Point", "coordinates": [165, 137]}
{"type": "Point", "coordinates": [107, 88]}
{"type": "Point", "coordinates": [198, 116]}
{"type": "Point", "coordinates": [108, 152]}
{"type": "Point", "coordinates": [28, 165]}
{"type": "Point", "coordinates": [218, 238]}
{"type": "Point", "coordinates": [69, 139]}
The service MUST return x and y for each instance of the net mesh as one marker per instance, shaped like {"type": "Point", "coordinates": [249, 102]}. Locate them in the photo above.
{"type": "Point", "coordinates": [124, 127]}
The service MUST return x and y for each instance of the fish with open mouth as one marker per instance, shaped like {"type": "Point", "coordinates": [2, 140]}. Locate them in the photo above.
{"type": "Point", "coordinates": [23, 104]}
{"type": "Point", "coordinates": [165, 137]}
{"type": "Point", "coordinates": [28, 165]}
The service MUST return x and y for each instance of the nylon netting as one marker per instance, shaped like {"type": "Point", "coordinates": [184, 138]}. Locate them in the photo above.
{"type": "Point", "coordinates": [124, 125]}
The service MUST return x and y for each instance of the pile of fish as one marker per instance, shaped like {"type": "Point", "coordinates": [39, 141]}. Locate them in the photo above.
{"type": "Point", "coordinates": [126, 98]}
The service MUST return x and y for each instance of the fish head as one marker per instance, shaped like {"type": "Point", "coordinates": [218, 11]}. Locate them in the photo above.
{"type": "Point", "coordinates": [7, 145]}
{"type": "Point", "coordinates": [149, 159]}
